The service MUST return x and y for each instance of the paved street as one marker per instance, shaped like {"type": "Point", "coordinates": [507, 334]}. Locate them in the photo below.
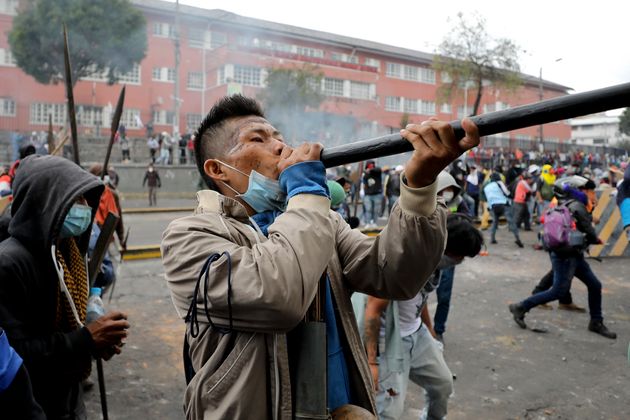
{"type": "Point", "coordinates": [503, 372]}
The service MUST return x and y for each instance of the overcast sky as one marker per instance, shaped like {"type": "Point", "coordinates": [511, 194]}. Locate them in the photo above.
{"type": "Point", "coordinates": [591, 38]}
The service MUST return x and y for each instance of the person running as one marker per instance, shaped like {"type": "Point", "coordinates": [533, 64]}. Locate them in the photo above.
{"type": "Point", "coordinates": [568, 261]}
{"type": "Point", "coordinates": [498, 195]}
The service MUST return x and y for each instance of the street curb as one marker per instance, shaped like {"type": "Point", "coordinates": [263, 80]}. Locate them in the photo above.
{"type": "Point", "coordinates": [142, 252]}
{"type": "Point", "coordinates": [141, 210]}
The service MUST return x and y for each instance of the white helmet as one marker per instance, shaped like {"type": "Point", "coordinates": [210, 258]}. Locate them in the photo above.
{"type": "Point", "coordinates": [534, 170]}
{"type": "Point", "coordinates": [575, 181]}
{"type": "Point", "coordinates": [445, 180]}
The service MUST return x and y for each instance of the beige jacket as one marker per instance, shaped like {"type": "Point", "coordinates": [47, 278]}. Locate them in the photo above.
{"type": "Point", "coordinates": [245, 375]}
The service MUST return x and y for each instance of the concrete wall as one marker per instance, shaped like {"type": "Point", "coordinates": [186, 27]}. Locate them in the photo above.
{"type": "Point", "coordinates": [177, 181]}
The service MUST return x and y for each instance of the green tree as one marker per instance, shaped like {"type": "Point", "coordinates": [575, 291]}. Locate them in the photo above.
{"type": "Point", "coordinates": [469, 55]}
{"type": "Point", "coordinates": [289, 94]}
{"type": "Point", "coordinates": [624, 122]}
{"type": "Point", "coordinates": [104, 36]}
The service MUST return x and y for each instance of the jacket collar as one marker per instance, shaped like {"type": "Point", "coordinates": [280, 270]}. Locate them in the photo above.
{"type": "Point", "coordinates": [212, 202]}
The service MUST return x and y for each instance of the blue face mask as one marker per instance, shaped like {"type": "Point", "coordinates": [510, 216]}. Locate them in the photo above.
{"type": "Point", "coordinates": [263, 194]}
{"type": "Point", "coordinates": [78, 219]}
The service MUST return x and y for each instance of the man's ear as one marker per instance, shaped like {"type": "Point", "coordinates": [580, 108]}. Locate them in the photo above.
{"type": "Point", "coordinates": [214, 170]}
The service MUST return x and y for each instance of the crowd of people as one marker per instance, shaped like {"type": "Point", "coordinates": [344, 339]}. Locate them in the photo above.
{"type": "Point", "coordinates": [281, 298]}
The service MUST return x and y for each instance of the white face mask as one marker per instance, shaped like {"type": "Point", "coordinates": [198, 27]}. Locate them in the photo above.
{"type": "Point", "coordinates": [448, 196]}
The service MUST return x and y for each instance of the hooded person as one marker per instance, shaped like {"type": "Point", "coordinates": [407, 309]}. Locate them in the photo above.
{"type": "Point", "coordinates": [44, 282]}
{"type": "Point", "coordinates": [449, 190]}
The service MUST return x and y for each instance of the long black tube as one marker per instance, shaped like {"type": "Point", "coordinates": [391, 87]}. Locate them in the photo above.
{"type": "Point", "coordinates": [556, 109]}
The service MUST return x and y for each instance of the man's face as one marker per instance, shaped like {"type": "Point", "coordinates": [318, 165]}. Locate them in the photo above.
{"type": "Point", "coordinates": [257, 145]}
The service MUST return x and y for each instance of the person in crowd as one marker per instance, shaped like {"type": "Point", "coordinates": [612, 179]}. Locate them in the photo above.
{"type": "Point", "coordinates": [153, 182]}
{"type": "Point", "coordinates": [473, 182]}
{"type": "Point", "coordinates": [449, 190]}
{"type": "Point", "coordinates": [125, 148]}
{"type": "Point", "coordinates": [109, 203]}
{"type": "Point", "coordinates": [534, 172]}
{"type": "Point", "coordinates": [513, 172]}
{"type": "Point", "coordinates": [544, 188]}
{"type": "Point", "coordinates": [373, 189]}
{"type": "Point", "coordinates": [567, 260]}
{"type": "Point", "coordinates": [522, 193]}
{"type": "Point", "coordinates": [5, 181]}
{"type": "Point", "coordinates": [266, 245]}
{"type": "Point", "coordinates": [565, 301]}
{"type": "Point", "coordinates": [404, 347]}
{"type": "Point", "coordinates": [154, 148]}
{"type": "Point", "coordinates": [190, 147]}
{"type": "Point", "coordinates": [392, 187]}
{"type": "Point", "coordinates": [623, 200]}
{"type": "Point", "coordinates": [44, 283]}
{"type": "Point", "coordinates": [183, 141]}
{"type": "Point", "coordinates": [16, 392]}
{"type": "Point", "coordinates": [498, 195]}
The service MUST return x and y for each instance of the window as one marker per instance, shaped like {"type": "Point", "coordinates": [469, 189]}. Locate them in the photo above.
{"type": "Point", "coordinates": [247, 75]}
{"type": "Point", "coordinates": [6, 58]}
{"type": "Point", "coordinates": [427, 108]}
{"type": "Point", "coordinates": [310, 52]}
{"type": "Point", "coordinates": [410, 106]}
{"type": "Point", "coordinates": [163, 117]}
{"type": "Point", "coordinates": [372, 62]}
{"type": "Point", "coordinates": [446, 108]}
{"type": "Point", "coordinates": [40, 111]}
{"type": "Point", "coordinates": [333, 87]}
{"type": "Point", "coordinates": [198, 38]}
{"type": "Point", "coordinates": [163, 74]}
{"type": "Point", "coordinates": [89, 116]}
{"type": "Point", "coordinates": [393, 70]}
{"type": "Point", "coordinates": [427, 75]}
{"type": "Point", "coordinates": [221, 76]}
{"type": "Point", "coordinates": [163, 29]}
{"type": "Point", "coordinates": [7, 107]}
{"type": "Point", "coordinates": [217, 39]}
{"type": "Point", "coordinates": [193, 121]}
{"type": "Point", "coordinates": [344, 57]}
{"type": "Point", "coordinates": [392, 103]}
{"type": "Point", "coordinates": [9, 7]}
{"type": "Point", "coordinates": [131, 77]}
{"type": "Point", "coordinates": [277, 46]}
{"type": "Point", "coordinates": [130, 118]}
{"type": "Point", "coordinates": [359, 90]}
{"type": "Point", "coordinates": [446, 78]}
{"type": "Point", "coordinates": [411, 73]}
{"type": "Point", "coordinates": [195, 80]}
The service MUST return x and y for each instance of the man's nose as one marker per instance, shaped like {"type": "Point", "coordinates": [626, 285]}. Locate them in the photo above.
{"type": "Point", "coordinates": [278, 146]}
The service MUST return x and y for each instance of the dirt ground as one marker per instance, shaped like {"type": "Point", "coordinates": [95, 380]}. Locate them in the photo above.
{"type": "Point", "coordinates": [503, 372]}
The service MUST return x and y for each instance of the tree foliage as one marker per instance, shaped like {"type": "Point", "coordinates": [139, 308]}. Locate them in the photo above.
{"type": "Point", "coordinates": [624, 122]}
{"type": "Point", "coordinates": [469, 55]}
{"type": "Point", "coordinates": [289, 94]}
{"type": "Point", "coordinates": [104, 36]}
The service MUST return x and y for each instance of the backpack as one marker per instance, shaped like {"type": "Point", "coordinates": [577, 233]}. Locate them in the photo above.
{"type": "Point", "coordinates": [559, 229]}
{"type": "Point", "coordinates": [546, 191]}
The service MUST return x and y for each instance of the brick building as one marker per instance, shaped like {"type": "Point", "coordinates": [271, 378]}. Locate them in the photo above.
{"type": "Point", "coordinates": [367, 84]}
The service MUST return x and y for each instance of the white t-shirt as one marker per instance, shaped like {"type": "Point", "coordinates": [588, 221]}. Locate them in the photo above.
{"type": "Point", "coordinates": [409, 315]}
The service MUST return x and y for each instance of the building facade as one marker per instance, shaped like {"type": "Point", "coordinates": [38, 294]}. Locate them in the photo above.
{"type": "Point", "coordinates": [596, 130]}
{"type": "Point", "coordinates": [370, 86]}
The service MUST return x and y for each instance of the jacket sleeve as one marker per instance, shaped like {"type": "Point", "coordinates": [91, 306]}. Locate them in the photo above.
{"type": "Point", "coordinates": [272, 282]}
{"type": "Point", "coordinates": [56, 349]}
{"type": "Point", "coordinates": [584, 222]}
{"type": "Point", "coordinates": [398, 262]}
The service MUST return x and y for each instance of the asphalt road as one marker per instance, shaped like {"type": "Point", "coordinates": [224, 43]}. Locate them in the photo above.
{"type": "Point", "coordinates": [503, 372]}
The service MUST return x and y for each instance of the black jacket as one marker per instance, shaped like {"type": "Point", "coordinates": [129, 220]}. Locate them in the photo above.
{"type": "Point", "coordinates": [45, 188]}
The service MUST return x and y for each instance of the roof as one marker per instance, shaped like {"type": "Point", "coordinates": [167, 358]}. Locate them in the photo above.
{"type": "Point", "coordinates": [594, 120]}
{"type": "Point", "coordinates": [243, 22]}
